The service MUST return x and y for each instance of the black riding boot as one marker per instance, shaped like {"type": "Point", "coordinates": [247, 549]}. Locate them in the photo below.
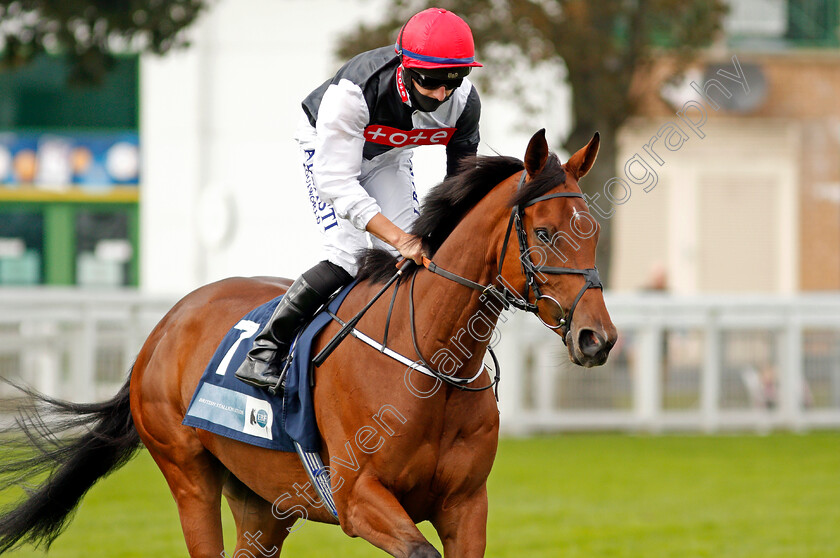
{"type": "Point", "coordinates": [312, 289]}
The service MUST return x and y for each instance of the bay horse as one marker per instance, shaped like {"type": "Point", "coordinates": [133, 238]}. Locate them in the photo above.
{"type": "Point", "coordinates": [401, 447]}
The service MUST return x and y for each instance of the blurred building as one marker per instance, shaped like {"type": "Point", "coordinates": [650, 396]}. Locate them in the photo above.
{"type": "Point", "coordinates": [69, 177]}
{"type": "Point", "coordinates": [732, 176]}
{"type": "Point", "coordinates": [176, 171]}
{"type": "Point", "coordinates": [215, 186]}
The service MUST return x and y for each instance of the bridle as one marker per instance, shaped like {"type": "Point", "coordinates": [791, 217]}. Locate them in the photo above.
{"type": "Point", "coordinates": [504, 293]}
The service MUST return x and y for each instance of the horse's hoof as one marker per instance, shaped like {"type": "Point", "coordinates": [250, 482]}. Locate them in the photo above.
{"type": "Point", "coordinates": [424, 550]}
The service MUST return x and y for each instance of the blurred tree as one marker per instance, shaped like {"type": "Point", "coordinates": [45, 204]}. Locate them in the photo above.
{"type": "Point", "coordinates": [90, 32]}
{"type": "Point", "coordinates": [603, 43]}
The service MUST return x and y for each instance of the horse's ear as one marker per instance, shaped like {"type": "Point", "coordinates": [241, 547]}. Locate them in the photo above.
{"type": "Point", "coordinates": [582, 161]}
{"type": "Point", "coordinates": [536, 154]}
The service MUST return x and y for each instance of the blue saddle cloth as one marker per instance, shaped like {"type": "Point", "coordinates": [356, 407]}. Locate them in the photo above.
{"type": "Point", "coordinates": [229, 407]}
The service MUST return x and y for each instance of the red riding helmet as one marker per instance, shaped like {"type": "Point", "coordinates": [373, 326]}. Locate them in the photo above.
{"type": "Point", "coordinates": [436, 39]}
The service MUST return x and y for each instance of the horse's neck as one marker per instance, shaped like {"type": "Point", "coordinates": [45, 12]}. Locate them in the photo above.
{"type": "Point", "coordinates": [456, 318]}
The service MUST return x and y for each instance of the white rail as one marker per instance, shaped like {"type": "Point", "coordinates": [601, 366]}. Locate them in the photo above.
{"type": "Point", "coordinates": [704, 363]}
{"type": "Point", "coordinates": [71, 343]}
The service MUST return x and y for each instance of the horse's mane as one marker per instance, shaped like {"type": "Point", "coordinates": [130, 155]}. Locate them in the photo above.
{"type": "Point", "coordinates": [448, 202]}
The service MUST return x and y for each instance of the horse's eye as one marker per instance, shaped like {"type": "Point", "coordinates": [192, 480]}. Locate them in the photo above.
{"type": "Point", "coordinates": [542, 235]}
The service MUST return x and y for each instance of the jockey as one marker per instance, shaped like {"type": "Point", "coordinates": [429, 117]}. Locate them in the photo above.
{"type": "Point", "coordinates": [354, 135]}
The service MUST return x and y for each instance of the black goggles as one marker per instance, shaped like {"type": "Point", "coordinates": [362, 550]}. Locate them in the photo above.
{"type": "Point", "coordinates": [430, 82]}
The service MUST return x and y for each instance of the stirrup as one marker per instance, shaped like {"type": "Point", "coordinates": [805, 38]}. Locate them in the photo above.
{"type": "Point", "coordinates": [280, 385]}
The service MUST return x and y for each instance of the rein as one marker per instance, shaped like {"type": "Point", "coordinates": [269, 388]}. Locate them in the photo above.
{"type": "Point", "coordinates": [505, 295]}
{"type": "Point", "coordinates": [459, 383]}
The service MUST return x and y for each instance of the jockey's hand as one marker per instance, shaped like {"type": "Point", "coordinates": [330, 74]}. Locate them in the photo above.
{"type": "Point", "coordinates": [409, 246]}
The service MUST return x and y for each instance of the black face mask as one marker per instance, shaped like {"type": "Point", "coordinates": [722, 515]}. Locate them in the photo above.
{"type": "Point", "coordinates": [418, 100]}
{"type": "Point", "coordinates": [423, 103]}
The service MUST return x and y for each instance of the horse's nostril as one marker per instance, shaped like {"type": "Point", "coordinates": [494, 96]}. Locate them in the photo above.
{"type": "Point", "coordinates": [590, 342]}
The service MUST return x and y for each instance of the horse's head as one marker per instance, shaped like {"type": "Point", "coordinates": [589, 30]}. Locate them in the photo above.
{"type": "Point", "coordinates": [555, 264]}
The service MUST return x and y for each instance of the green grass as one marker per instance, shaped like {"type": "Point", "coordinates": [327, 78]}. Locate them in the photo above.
{"type": "Point", "coordinates": [570, 496]}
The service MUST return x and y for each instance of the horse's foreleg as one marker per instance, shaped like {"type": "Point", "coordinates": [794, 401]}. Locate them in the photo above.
{"type": "Point", "coordinates": [462, 526]}
{"type": "Point", "coordinates": [370, 511]}
{"type": "Point", "coordinates": [257, 530]}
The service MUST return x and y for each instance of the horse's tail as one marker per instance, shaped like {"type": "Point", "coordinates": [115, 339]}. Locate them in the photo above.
{"type": "Point", "coordinates": [74, 445]}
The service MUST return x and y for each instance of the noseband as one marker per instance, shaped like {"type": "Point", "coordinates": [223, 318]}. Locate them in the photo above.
{"type": "Point", "coordinates": [529, 269]}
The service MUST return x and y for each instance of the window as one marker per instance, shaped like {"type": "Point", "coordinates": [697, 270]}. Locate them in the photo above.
{"type": "Point", "coordinates": [21, 247]}
{"type": "Point", "coordinates": [69, 176]}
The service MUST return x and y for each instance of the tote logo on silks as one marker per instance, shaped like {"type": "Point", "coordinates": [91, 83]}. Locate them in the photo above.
{"type": "Point", "coordinates": [385, 135]}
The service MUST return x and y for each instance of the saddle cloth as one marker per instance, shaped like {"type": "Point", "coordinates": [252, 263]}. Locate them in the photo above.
{"type": "Point", "coordinates": [229, 407]}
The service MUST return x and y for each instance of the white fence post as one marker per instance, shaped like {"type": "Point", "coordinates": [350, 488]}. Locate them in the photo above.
{"type": "Point", "coordinates": [83, 371]}
{"type": "Point", "coordinates": [648, 377]}
{"type": "Point", "coordinates": [545, 378]}
{"type": "Point", "coordinates": [133, 340]}
{"type": "Point", "coordinates": [40, 356]}
{"type": "Point", "coordinates": [790, 374]}
{"type": "Point", "coordinates": [710, 376]}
